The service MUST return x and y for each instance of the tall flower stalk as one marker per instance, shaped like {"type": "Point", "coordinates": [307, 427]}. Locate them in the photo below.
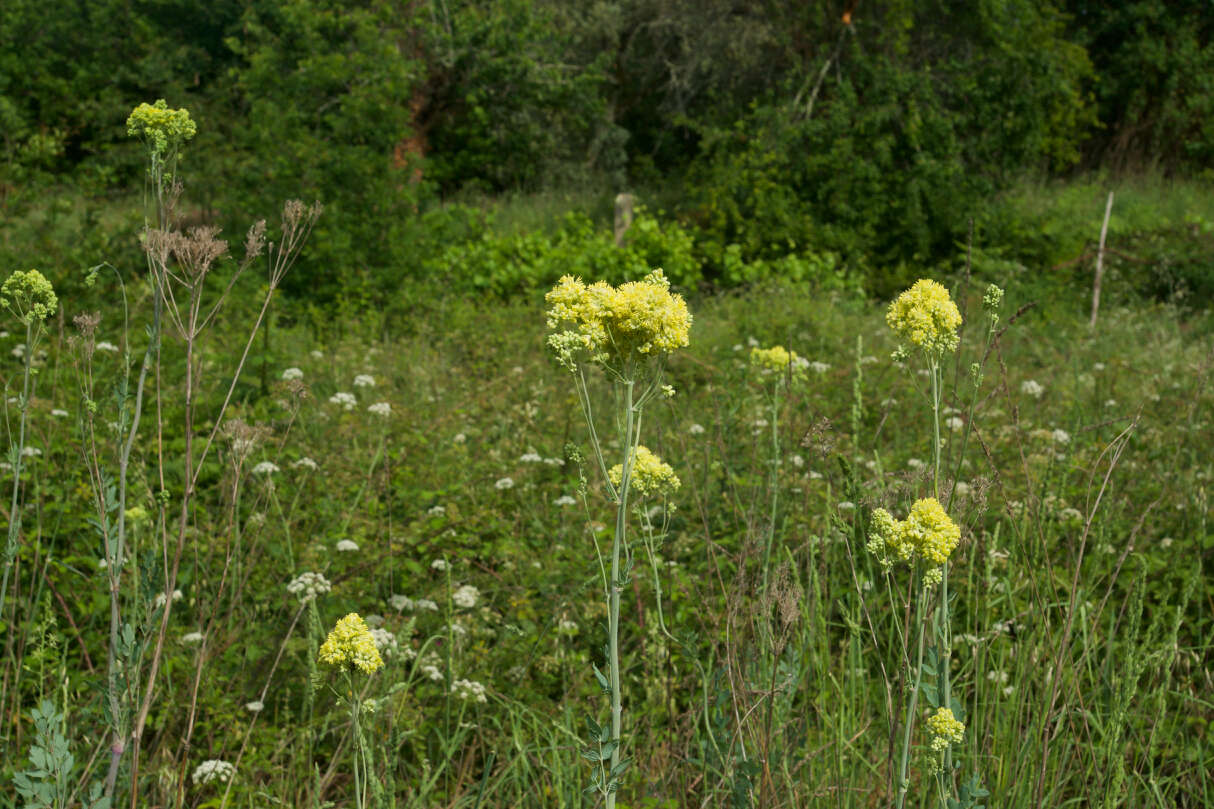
{"type": "Point", "coordinates": [925, 320]}
{"type": "Point", "coordinates": [351, 647]}
{"type": "Point", "coordinates": [628, 331]}
{"type": "Point", "coordinates": [30, 298]}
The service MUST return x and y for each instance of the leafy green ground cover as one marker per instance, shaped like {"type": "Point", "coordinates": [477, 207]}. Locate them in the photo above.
{"type": "Point", "coordinates": [456, 522]}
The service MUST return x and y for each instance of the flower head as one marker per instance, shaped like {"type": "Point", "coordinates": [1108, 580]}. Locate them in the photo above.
{"type": "Point", "coordinates": [649, 474]}
{"type": "Point", "coordinates": [161, 128]}
{"type": "Point", "coordinates": [926, 317]}
{"type": "Point", "coordinates": [351, 644]}
{"type": "Point", "coordinates": [291, 374]}
{"type": "Point", "coordinates": [778, 361]}
{"type": "Point", "coordinates": [344, 400]}
{"type": "Point", "coordinates": [309, 585]}
{"type": "Point", "coordinates": [635, 320]}
{"type": "Point", "coordinates": [214, 769]}
{"type": "Point", "coordinates": [466, 596]}
{"type": "Point", "coordinates": [944, 730]}
{"type": "Point", "coordinates": [29, 296]}
{"type": "Point", "coordinates": [928, 533]}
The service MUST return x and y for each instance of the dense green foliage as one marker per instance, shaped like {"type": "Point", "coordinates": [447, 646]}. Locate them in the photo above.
{"type": "Point", "coordinates": [872, 135]}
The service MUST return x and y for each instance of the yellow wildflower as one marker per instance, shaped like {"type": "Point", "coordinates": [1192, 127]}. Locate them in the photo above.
{"type": "Point", "coordinates": [926, 317]}
{"type": "Point", "coordinates": [635, 320]}
{"type": "Point", "coordinates": [351, 644]}
{"type": "Point", "coordinates": [650, 475]}
{"type": "Point", "coordinates": [886, 540]}
{"type": "Point", "coordinates": [930, 530]}
{"type": "Point", "coordinates": [777, 360]}
{"type": "Point", "coordinates": [162, 128]}
{"type": "Point", "coordinates": [944, 730]}
{"type": "Point", "coordinates": [927, 533]}
{"type": "Point", "coordinates": [29, 296]}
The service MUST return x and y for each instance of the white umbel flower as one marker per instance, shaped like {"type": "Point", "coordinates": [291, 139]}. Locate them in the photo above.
{"type": "Point", "coordinates": [381, 409]}
{"type": "Point", "coordinates": [213, 770]}
{"type": "Point", "coordinates": [469, 690]}
{"type": "Point", "coordinates": [364, 381]}
{"type": "Point", "coordinates": [346, 401]}
{"type": "Point", "coordinates": [265, 468]}
{"type": "Point", "coordinates": [291, 374]}
{"type": "Point", "coordinates": [466, 596]}
{"type": "Point", "coordinates": [309, 585]}
{"type": "Point", "coordinates": [1031, 387]}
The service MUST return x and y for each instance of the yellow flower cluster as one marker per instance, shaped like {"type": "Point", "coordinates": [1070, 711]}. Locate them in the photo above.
{"type": "Point", "coordinates": [160, 126]}
{"type": "Point", "coordinates": [777, 360]}
{"type": "Point", "coordinates": [351, 644]}
{"type": "Point", "coordinates": [29, 296]}
{"type": "Point", "coordinates": [616, 323]}
{"type": "Point", "coordinates": [944, 730]}
{"type": "Point", "coordinates": [650, 475]}
{"type": "Point", "coordinates": [927, 533]}
{"type": "Point", "coordinates": [925, 317]}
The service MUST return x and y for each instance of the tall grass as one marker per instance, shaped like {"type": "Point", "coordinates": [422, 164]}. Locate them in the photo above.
{"type": "Point", "coordinates": [765, 658]}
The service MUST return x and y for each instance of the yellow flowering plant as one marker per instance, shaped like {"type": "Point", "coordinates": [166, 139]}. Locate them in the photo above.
{"type": "Point", "coordinates": [776, 369]}
{"type": "Point", "coordinates": [628, 331]}
{"type": "Point", "coordinates": [926, 322]}
{"type": "Point", "coordinates": [31, 299]}
{"type": "Point", "coordinates": [351, 647]}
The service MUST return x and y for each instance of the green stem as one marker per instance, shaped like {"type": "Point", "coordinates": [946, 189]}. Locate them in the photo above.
{"type": "Point", "coordinates": [613, 613]}
{"type": "Point", "coordinates": [909, 724]}
{"type": "Point", "coordinates": [14, 521]}
{"type": "Point", "coordinates": [775, 481]}
{"type": "Point", "coordinates": [945, 634]}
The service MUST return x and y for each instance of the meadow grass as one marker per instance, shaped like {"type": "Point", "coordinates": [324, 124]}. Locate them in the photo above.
{"type": "Point", "coordinates": [181, 538]}
{"type": "Point", "coordinates": [1079, 613]}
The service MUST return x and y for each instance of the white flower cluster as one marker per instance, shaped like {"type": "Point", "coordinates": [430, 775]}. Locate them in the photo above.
{"type": "Point", "coordinates": [346, 545]}
{"type": "Point", "coordinates": [256, 706]}
{"type": "Point", "coordinates": [265, 468]}
{"type": "Point", "coordinates": [292, 374]}
{"type": "Point", "coordinates": [364, 381]}
{"type": "Point", "coordinates": [564, 500]}
{"type": "Point", "coordinates": [466, 596]}
{"type": "Point", "coordinates": [504, 483]}
{"type": "Point", "coordinates": [385, 641]}
{"type": "Point", "coordinates": [531, 457]}
{"type": "Point", "coordinates": [439, 564]}
{"type": "Point", "coordinates": [431, 666]}
{"type": "Point", "coordinates": [309, 585]}
{"type": "Point", "coordinates": [161, 600]}
{"type": "Point", "coordinates": [1031, 387]}
{"type": "Point", "coordinates": [381, 409]}
{"type": "Point", "coordinates": [469, 689]}
{"type": "Point", "coordinates": [346, 401]}
{"type": "Point", "coordinates": [105, 345]}
{"type": "Point", "coordinates": [191, 638]}
{"type": "Point", "coordinates": [213, 770]}
{"type": "Point", "coordinates": [305, 463]}
{"type": "Point", "coordinates": [401, 603]}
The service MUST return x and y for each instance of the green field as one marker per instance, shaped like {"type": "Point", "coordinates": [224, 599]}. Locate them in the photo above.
{"type": "Point", "coordinates": [766, 674]}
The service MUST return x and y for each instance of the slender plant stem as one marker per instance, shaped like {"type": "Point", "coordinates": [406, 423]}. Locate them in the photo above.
{"type": "Point", "coordinates": [909, 724]}
{"type": "Point", "coordinates": [775, 482]}
{"type": "Point", "coordinates": [613, 614]}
